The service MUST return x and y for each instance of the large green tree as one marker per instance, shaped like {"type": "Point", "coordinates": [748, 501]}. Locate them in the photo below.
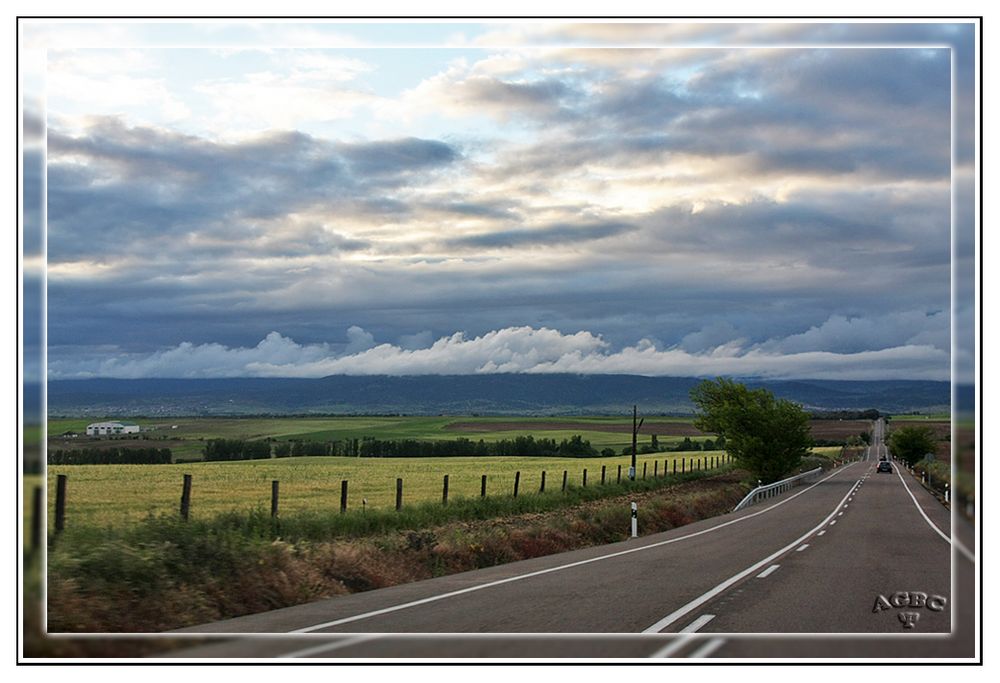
{"type": "Point", "coordinates": [767, 436]}
{"type": "Point", "coordinates": [911, 444]}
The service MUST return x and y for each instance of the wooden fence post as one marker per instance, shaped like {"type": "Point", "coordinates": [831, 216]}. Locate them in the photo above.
{"type": "Point", "coordinates": [343, 496]}
{"type": "Point", "coordinates": [644, 469]}
{"type": "Point", "coordinates": [656, 469]}
{"type": "Point", "coordinates": [683, 465]}
{"type": "Point", "coordinates": [61, 503]}
{"type": "Point", "coordinates": [274, 497]}
{"type": "Point", "coordinates": [584, 477]}
{"type": "Point", "coordinates": [675, 465]}
{"type": "Point", "coordinates": [185, 498]}
{"type": "Point", "coordinates": [399, 493]}
{"type": "Point", "coordinates": [541, 489]}
{"type": "Point", "coordinates": [36, 519]}
{"type": "Point", "coordinates": [604, 469]}
{"type": "Point", "coordinates": [444, 491]}
{"type": "Point", "coordinates": [517, 482]}
{"type": "Point", "coordinates": [565, 477]}
{"type": "Point", "coordinates": [619, 474]}
{"type": "Point", "coordinates": [482, 492]}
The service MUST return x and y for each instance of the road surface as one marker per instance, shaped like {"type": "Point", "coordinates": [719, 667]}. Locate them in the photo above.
{"type": "Point", "coordinates": [855, 564]}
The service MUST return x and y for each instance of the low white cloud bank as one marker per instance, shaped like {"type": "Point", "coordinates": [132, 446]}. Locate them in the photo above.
{"type": "Point", "coordinates": [510, 350]}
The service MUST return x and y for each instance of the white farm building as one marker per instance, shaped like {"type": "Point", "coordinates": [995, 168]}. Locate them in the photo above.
{"type": "Point", "coordinates": [103, 428]}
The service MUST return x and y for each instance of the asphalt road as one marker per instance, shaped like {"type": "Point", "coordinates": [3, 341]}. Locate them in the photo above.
{"type": "Point", "coordinates": [811, 564]}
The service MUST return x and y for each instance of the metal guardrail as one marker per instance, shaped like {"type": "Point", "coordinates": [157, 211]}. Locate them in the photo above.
{"type": "Point", "coordinates": [770, 490]}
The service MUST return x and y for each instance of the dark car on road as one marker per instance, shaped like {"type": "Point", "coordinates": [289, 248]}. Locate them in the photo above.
{"type": "Point", "coordinates": [885, 466]}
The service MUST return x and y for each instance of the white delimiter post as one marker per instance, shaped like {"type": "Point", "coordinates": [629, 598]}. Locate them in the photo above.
{"type": "Point", "coordinates": [635, 520]}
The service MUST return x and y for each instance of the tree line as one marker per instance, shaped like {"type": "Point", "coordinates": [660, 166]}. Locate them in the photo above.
{"type": "Point", "coordinates": [370, 447]}
{"type": "Point", "coordinates": [111, 456]}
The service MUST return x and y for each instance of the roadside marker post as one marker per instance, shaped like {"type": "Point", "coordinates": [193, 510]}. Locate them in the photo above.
{"type": "Point", "coordinates": [635, 520]}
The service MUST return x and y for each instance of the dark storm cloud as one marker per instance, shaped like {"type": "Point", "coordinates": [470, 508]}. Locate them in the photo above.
{"type": "Point", "coordinates": [544, 236]}
{"type": "Point", "coordinates": [823, 269]}
{"type": "Point", "coordinates": [883, 113]}
{"type": "Point", "coordinates": [144, 185]}
{"type": "Point", "coordinates": [392, 157]}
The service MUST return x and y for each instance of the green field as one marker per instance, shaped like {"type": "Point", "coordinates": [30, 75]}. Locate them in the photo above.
{"type": "Point", "coordinates": [117, 494]}
{"type": "Point", "coordinates": [933, 417]}
{"type": "Point", "coordinates": [186, 435]}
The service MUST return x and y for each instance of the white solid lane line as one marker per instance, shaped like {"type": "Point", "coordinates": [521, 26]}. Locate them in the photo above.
{"type": "Point", "coordinates": [541, 572]}
{"type": "Point", "coordinates": [770, 570]}
{"type": "Point", "coordinates": [698, 623]}
{"type": "Point", "coordinates": [674, 645]}
{"type": "Point", "coordinates": [708, 648]}
{"type": "Point", "coordinates": [683, 640]}
{"type": "Point", "coordinates": [329, 647]}
{"type": "Point", "coordinates": [958, 544]}
{"type": "Point", "coordinates": [705, 597]}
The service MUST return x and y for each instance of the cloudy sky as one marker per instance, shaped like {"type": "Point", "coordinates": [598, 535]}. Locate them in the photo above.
{"type": "Point", "coordinates": [689, 199]}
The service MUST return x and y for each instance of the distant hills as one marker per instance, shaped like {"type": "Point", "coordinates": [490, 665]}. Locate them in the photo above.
{"type": "Point", "coordinates": [498, 394]}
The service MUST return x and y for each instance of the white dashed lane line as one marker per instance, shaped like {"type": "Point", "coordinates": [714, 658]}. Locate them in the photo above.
{"type": "Point", "coordinates": [770, 570]}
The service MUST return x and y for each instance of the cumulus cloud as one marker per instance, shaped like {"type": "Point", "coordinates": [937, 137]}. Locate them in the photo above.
{"type": "Point", "coordinates": [511, 350]}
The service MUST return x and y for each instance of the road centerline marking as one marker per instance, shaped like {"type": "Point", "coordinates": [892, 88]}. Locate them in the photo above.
{"type": "Point", "coordinates": [708, 595]}
{"type": "Point", "coordinates": [549, 570]}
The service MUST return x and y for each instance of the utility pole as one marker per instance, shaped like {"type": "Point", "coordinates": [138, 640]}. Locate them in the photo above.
{"type": "Point", "coordinates": [635, 432]}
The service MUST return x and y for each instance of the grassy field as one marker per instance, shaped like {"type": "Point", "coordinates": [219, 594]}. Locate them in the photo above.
{"type": "Point", "coordinates": [114, 494]}
{"type": "Point", "coordinates": [117, 494]}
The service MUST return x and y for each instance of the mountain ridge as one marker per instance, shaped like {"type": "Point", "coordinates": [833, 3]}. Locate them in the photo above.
{"type": "Point", "coordinates": [493, 394]}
